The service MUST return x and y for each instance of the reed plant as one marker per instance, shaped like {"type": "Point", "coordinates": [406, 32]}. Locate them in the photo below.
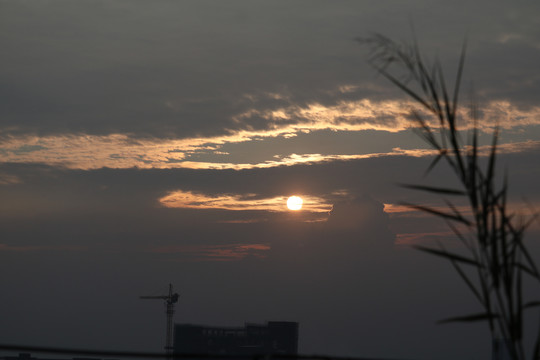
{"type": "Point", "coordinates": [493, 260]}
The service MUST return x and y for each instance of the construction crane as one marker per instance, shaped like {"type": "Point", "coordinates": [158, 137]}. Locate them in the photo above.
{"type": "Point", "coordinates": [170, 300]}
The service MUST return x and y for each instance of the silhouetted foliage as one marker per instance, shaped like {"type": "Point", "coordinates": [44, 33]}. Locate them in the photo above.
{"type": "Point", "coordinates": [496, 258]}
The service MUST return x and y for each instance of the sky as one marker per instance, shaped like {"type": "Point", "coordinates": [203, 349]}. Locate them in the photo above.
{"type": "Point", "coordinates": [147, 143]}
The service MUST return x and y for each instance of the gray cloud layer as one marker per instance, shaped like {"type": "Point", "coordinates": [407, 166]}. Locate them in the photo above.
{"type": "Point", "coordinates": [185, 68]}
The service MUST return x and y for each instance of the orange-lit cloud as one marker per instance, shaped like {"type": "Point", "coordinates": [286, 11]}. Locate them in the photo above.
{"type": "Point", "coordinates": [122, 151]}
{"type": "Point", "coordinates": [187, 199]}
{"type": "Point", "coordinates": [230, 252]}
{"type": "Point", "coordinates": [398, 210]}
{"type": "Point", "coordinates": [119, 152]}
{"type": "Point", "coordinates": [521, 213]}
{"type": "Point", "coordinates": [423, 238]}
{"type": "Point", "coordinates": [8, 179]}
{"type": "Point", "coordinates": [387, 115]}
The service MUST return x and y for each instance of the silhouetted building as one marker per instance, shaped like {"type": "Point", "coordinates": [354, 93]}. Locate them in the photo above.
{"type": "Point", "coordinates": [28, 356]}
{"type": "Point", "coordinates": [275, 337]}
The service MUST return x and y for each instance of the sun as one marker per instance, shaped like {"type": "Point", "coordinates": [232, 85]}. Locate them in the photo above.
{"type": "Point", "coordinates": [294, 203]}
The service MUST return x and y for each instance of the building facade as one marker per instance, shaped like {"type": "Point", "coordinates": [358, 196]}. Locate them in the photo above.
{"type": "Point", "coordinates": [275, 337]}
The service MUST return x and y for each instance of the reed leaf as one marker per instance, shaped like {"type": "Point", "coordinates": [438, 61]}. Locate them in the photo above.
{"type": "Point", "coordinates": [495, 248]}
{"type": "Point", "coordinates": [442, 214]}
{"type": "Point", "coordinates": [528, 270]}
{"type": "Point", "coordinates": [462, 238]}
{"type": "Point", "coordinates": [459, 74]}
{"type": "Point", "coordinates": [470, 318]}
{"type": "Point", "coordinates": [407, 90]}
{"type": "Point", "coordinates": [425, 131]}
{"type": "Point", "coordinates": [468, 282]}
{"type": "Point", "coordinates": [449, 256]}
{"type": "Point", "coordinates": [434, 162]}
{"type": "Point", "coordinates": [434, 189]}
{"type": "Point", "coordinates": [531, 304]}
{"type": "Point", "coordinates": [534, 270]}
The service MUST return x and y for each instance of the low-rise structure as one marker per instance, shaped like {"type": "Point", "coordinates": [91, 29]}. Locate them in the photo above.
{"type": "Point", "coordinates": [275, 337]}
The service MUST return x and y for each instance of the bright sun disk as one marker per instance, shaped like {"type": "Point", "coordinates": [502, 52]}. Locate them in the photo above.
{"type": "Point", "coordinates": [294, 203]}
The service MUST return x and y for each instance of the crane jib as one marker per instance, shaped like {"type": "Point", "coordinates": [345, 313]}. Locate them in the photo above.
{"type": "Point", "coordinates": [170, 300]}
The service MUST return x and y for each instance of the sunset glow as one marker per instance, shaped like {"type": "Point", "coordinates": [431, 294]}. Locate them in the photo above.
{"type": "Point", "coordinates": [294, 203]}
{"type": "Point", "coordinates": [191, 200]}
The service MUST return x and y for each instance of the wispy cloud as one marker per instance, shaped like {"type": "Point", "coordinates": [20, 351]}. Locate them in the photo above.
{"type": "Point", "coordinates": [191, 200]}
{"type": "Point", "coordinates": [423, 238]}
{"type": "Point", "coordinates": [120, 152]}
{"type": "Point", "coordinates": [82, 151]}
{"type": "Point", "coordinates": [9, 179]}
{"type": "Point", "coordinates": [230, 252]}
{"type": "Point", "coordinates": [387, 115]}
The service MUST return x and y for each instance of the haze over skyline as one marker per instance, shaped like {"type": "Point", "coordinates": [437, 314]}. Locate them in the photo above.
{"type": "Point", "coordinates": [147, 143]}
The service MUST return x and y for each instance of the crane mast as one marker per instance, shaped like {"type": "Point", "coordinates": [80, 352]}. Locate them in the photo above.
{"type": "Point", "coordinates": [170, 299]}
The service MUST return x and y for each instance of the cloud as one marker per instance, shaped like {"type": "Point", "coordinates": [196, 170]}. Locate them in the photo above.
{"type": "Point", "coordinates": [187, 199]}
{"type": "Point", "coordinates": [185, 79]}
{"type": "Point", "coordinates": [9, 179]}
{"type": "Point", "coordinates": [42, 189]}
{"type": "Point", "coordinates": [421, 238]}
{"type": "Point", "coordinates": [232, 252]}
{"type": "Point", "coordinates": [359, 212]}
{"type": "Point", "coordinates": [363, 220]}
{"type": "Point", "coordinates": [121, 151]}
